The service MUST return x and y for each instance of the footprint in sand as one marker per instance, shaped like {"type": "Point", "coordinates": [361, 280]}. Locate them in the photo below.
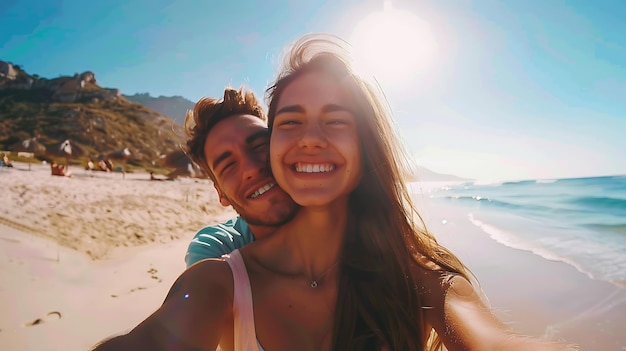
{"type": "Point", "coordinates": [51, 316]}
{"type": "Point", "coordinates": [131, 290]}
{"type": "Point", "coordinates": [153, 275]}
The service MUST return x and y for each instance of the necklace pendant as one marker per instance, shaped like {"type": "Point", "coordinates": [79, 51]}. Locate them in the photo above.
{"type": "Point", "coordinates": [314, 284]}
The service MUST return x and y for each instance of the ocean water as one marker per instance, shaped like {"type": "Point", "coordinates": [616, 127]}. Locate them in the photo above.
{"type": "Point", "coordinates": [580, 221]}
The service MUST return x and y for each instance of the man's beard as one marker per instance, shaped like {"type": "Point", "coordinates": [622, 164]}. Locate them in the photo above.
{"type": "Point", "coordinates": [283, 216]}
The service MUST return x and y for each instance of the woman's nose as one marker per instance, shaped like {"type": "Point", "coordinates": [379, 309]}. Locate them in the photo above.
{"type": "Point", "coordinates": [313, 136]}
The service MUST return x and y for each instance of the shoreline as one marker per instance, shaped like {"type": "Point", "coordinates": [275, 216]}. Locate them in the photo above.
{"type": "Point", "coordinates": [535, 295]}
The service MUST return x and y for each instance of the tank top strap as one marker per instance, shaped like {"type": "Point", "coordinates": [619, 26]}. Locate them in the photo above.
{"type": "Point", "coordinates": [243, 314]}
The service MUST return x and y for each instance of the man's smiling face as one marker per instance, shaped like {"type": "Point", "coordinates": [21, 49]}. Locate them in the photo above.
{"type": "Point", "coordinates": [236, 150]}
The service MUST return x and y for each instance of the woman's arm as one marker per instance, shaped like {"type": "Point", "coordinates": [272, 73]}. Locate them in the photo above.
{"type": "Point", "coordinates": [467, 323]}
{"type": "Point", "coordinates": [193, 316]}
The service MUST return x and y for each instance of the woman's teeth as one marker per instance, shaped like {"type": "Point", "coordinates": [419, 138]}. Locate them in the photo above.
{"type": "Point", "coordinates": [315, 168]}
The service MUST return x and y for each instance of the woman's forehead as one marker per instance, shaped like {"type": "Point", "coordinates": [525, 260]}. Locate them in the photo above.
{"type": "Point", "coordinates": [315, 88]}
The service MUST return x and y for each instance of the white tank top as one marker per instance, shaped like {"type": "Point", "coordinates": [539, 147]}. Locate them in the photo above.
{"type": "Point", "coordinates": [245, 333]}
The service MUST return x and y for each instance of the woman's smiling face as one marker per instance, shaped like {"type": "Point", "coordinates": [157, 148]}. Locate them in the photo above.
{"type": "Point", "coordinates": [314, 146]}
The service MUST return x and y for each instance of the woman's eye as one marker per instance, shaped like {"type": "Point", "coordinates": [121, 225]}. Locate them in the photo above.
{"type": "Point", "coordinates": [339, 118]}
{"type": "Point", "coordinates": [288, 124]}
{"type": "Point", "coordinates": [337, 122]}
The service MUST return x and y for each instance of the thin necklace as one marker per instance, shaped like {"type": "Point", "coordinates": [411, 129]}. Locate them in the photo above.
{"type": "Point", "coordinates": [315, 282]}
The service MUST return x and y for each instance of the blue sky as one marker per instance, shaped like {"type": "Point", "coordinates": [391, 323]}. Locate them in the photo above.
{"type": "Point", "coordinates": [483, 89]}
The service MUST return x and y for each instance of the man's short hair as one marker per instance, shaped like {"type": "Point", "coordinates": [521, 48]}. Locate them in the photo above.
{"type": "Point", "coordinates": [208, 112]}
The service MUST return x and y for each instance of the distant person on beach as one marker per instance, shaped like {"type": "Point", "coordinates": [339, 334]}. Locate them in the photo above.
{"type": "Point", "coordinates": [59, 170]}
{"type": "Point", "coordinates": [109, 165]}
{"type": "Point", "coordinates": [155, 178]}
{"type": "Point", "coordinates": [5, 161]}
{"type": "Point", "coordinates": [354, 269]}
{"type": "Point", "coordinates": [233, 132]}
{"type": "Point", "coordinates": [89, 165]}
{"type": "Point", "coordinates": [105, 165]}
{"type": "Point", "coordinates": [102, 165]}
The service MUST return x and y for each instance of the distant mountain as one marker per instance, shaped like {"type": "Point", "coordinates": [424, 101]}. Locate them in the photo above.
{"type": "Point", "coordinates": [175, 107]}
{"type": "Point", "coordinates": [426, 175]}
{"type": "Point", "coordinates": [100, 120]}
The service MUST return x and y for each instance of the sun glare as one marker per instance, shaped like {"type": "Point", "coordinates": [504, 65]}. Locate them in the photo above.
{"type": "Point", "coordinates": [393, 45]}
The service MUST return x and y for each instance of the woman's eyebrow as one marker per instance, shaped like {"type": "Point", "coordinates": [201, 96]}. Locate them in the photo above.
{"type": "Point", "coordinates": [290, 108]}
{"type": "Point", "coordinates": [335, 108]}
{"type": "Point", "coordinates": [327, 108]}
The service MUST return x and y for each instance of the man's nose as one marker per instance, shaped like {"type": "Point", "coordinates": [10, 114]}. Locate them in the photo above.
{"type": "Point", "coordinates": [253, 165]}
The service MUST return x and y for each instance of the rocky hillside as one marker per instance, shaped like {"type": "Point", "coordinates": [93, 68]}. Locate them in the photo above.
{"type": "Point", "coordinates": [98, 119]}
{"type": "Point", "coordinates": [175, 107]}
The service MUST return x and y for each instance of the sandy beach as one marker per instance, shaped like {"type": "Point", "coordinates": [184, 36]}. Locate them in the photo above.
{"type": "Point", "coordinates": [86, 257]}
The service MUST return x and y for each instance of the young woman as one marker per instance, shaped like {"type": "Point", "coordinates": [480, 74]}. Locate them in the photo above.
{"type": "Point", "coordinates": [333, 150]}
{"type": "Point", "coordinates": [354, 270]}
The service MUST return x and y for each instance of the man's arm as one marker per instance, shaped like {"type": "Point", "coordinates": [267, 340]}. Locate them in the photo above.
{"type": "Point", "coordinates": [192, 317]}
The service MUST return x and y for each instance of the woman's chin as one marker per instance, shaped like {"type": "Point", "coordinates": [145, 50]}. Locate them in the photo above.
{"type": "Point", "coordinates": [319, 198]}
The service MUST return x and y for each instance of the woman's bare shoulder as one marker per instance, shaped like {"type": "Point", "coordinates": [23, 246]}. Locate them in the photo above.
{"type": "Point", "coordinates": [433, 279]}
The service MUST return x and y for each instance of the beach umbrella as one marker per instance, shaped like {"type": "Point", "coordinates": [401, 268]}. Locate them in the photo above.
{"type": "Point", "coordinates": [176, 159]}
{"type": "Point", "coordinates": [120, 155]}
{"type": "Point", "coordinates": [189, 170]}
{"type": "Point", "coordinates": [29, 145]}
{"type": "Point", "coordinates": [182, 164]}
{"type": "Point", "coordinates": [66, 149]}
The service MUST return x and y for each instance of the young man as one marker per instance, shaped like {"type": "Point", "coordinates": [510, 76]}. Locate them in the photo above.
{"type": "Point", "coordinates": [229, 139]}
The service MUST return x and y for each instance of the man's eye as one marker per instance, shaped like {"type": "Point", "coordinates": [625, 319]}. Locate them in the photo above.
{"type": "Point", "coordinates": [259, 146]}
{"type": "Point", "coordinates": [227, 166]}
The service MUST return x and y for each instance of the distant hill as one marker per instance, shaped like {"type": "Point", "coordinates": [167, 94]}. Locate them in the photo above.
{"type": "Point", "coordinates": [100, 120]}
{"type": "Point", "coordinates": [426, 175]}
{"type": "Point", "coordinates": [175, 107]}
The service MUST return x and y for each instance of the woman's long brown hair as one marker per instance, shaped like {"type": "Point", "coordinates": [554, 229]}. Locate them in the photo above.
{"type": "Point", "coordinates": [379, 301]}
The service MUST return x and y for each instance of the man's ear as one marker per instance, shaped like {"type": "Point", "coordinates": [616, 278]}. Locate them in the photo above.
{"type": "Point", "coordinates": [223, 200]}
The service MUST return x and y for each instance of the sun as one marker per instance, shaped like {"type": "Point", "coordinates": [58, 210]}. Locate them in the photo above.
{"type": "Point", "coordinates": [393, 45]}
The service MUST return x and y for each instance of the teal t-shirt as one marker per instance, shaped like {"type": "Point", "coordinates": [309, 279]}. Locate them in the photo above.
{"type": "Point", "coordinates": [218, 240]}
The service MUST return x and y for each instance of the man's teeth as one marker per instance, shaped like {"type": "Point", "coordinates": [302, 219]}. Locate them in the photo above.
{"type": "Point", "coordinates": [309, 168]}
{"type": "Point", "coordinates": [262, 190]}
